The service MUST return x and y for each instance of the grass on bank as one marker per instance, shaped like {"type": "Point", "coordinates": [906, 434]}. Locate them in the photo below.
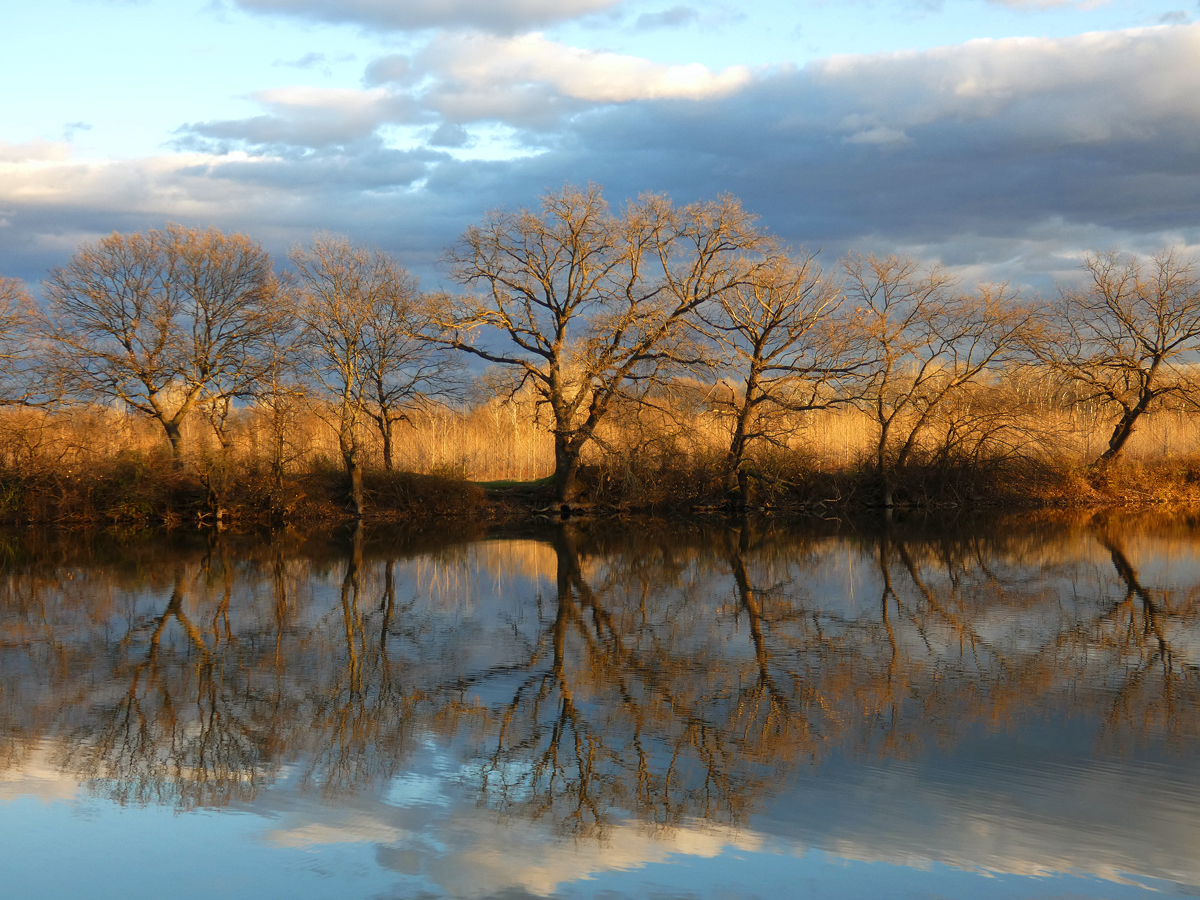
{"type": "Point", "coordinates": [100, 465]}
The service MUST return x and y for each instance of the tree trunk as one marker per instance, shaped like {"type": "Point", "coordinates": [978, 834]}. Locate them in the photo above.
{"type": "Point", "coordinates": [885, 472]}
{"type": "Point", "coordinates": [175, 438]}
{"type": "Point", "coordinates": [213, 498]}
{"type": "Point", "coordinates": [277, 458]}
{"type": "Point", "coordinates": [353, 466]}
{"type": "Point", "coordinates": [736, 478]}
{"type": "Point", "coordinates": [219, 419]}
{"type": "Point", "coordinates": [1124, 427]}
{"type": "Point", "coordinates": [566, 468]}
{"type": "Point", "coordinates": [385, 429]}
{"type": "Point", "coordinates": [1122, 432]}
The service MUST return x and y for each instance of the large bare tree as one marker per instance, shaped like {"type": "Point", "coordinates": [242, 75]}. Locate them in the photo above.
{"type": "Point", "coordinates": [1126, 338]}
{"type": "Point", "coordinates": [587, 303]}
{"type": "Point", "coordinates": [163, 320]}
{"type": "Point", "coordinates": [920, 340]}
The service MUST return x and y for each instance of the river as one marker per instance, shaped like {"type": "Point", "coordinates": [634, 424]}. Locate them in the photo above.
{"type": "Point", "coordinates": [1001, 706]}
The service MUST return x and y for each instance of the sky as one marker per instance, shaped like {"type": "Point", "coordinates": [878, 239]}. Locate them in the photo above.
{"type": "Point", "coordinates": [1002, 138]}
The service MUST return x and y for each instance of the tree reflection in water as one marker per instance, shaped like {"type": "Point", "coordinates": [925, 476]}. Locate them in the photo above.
{"type": "Point", "coordinates": [584, 675]}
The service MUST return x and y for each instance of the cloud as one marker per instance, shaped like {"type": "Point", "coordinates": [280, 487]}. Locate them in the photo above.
{"type": "Point", "coordinates": [877, 134]}
{"type": "Point", "coordinates": [1002, 157]}
{"type": "Point", "coordinates": [310, 117]}
{"type": "Point", "coordinates": [472, 69]}
{"type": "Point", "coordinates": [448, 135]}
{"type": "Point", "coordinates": [36, 150]}
{"type": "Point", "coordinates": [504, 16]}
{"type": "Point", "coordinates": [1091, 88]}
{"type": "Point", "coordinates": [307, 61]}
{"type": "Point", "coordinates": [675, 17]}
{"type": "Point", "coordinates": [54, 206]}
{"type": "Point", "coordinates": [319, 61]}
{"type": "Point", "coordinates": [526, 81]}
{"type": "Point", "coordinates": [388, 69]}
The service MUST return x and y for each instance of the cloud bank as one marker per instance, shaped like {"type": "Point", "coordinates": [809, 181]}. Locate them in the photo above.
{"type": "Point", "coordinates": [1005, 158]}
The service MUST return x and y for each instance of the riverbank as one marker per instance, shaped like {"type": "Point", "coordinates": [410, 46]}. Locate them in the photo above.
{"type": "Point", "coordinates": [150, 490]}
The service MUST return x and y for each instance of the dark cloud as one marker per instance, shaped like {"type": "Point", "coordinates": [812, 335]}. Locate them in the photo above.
{"type": "Point", "coordinates": [448, 135]}
{"type": "Point", "coordinates": [504, 16]}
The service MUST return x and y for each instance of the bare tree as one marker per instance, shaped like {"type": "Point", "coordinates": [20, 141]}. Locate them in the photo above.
{"type": "Point", "coordinates": [336, 284]}
{"type": "Point", "coordinates": [280, 396]}
{"type": "Point", "coordinates": [17, 352]}
{"type": "Point", "coordinates": [403, 370]}
{"type": "Point", "coordinates": [1125, 338]}
{"type": "Point", "coordinates": [922, 340]}
{"type": "Point", "coordinates": [589, 302]}
{"type": "Point", "coordinates": [162, 320]}
{"type": "Point", "coordinates": [360, 316]}
{"type": "Point", "coordinates": [780, 350]}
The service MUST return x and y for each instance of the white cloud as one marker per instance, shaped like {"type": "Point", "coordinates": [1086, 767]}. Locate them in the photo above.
{"type": "Point", "coordinates": [343, 100]}
{"type": "Point", "coordinates": [34, 150]}
{"type": "Point", "coordinates": [478, 65]}
{"type": "Point", "coordinates": [1088, 88]}
{"type": "Point", "coordinates": [525, 81]}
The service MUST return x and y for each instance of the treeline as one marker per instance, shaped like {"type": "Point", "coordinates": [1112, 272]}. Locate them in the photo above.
{"type": "Point", "coordinates": [607, 326]}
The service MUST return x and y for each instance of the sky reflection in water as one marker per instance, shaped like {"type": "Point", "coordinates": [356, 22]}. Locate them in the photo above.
{"type": "Point", "coordinates": [985, 708]}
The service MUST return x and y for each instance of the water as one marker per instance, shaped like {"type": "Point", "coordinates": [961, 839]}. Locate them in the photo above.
{"type": "Point", "coordinates": [1000, 707]}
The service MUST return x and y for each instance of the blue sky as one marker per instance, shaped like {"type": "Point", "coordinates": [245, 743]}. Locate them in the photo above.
{"type": "Point", "coordinates": [1002, 138]}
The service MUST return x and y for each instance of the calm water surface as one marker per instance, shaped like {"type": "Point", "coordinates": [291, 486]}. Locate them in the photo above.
{"type": "Point", "coordinates": [979, 708]}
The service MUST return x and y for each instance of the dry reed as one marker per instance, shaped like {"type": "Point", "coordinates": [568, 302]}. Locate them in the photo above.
{"type": "Point", "coordinates": [1003, 446]}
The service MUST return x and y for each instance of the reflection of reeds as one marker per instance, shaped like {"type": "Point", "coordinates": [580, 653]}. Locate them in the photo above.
{"type": "Point", "coordinates": [451, 575]}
